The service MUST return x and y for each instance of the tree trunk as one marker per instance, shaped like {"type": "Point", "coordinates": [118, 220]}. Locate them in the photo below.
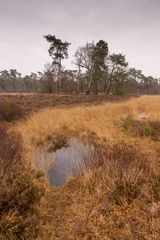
{"type": "Point", "coordinates": [95, 87]}
{"type": "Point", "coordinates": [109, 83]}
{"type": "Point", "coordinates": [105, 85]}
{"type": "Point", "coordinates": [78, 80]}
{"type": "Point", "coordinates": [89, 84]}
{"type": "Point", "coordinates": [59, 83]}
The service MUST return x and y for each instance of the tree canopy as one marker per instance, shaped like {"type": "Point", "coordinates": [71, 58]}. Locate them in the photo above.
{"type": "Point", "coordinates": [95, 70]}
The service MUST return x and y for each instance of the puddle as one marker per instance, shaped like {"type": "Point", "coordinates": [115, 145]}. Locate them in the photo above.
{"type": "Point", "coordinates": [69, 161]}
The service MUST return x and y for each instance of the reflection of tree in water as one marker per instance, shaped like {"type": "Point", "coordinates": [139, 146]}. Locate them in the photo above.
{"type": "Point", "coordinates": [68, 161]}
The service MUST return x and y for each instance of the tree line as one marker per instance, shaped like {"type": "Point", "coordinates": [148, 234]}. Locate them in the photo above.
{"type": "Point", "coordinates": [95, 71]}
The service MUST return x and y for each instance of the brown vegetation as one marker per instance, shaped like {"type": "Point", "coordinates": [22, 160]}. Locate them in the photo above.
{"type": "Point", "coordinates": [142, 128]}
{"type": "Point", "coordinates": [118, 197]}
{"type": "Point", "coordinates": [30, 102]}
{"type": "Point", "coordinates": [117, 200]}
{"type": "Point", "coordinates": [10, 111]}
{"type": "Point", "coordinates": [20, 194]}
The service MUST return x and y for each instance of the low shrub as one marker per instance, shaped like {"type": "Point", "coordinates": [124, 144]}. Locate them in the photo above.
{"type": "Point", "coordinates": [10, 150]}
{"type": "Point", "coordinates": [124, 191]}
{"type": "Point", "coordinates": [128, 122]}
{"type": "Point", "coordinates": [156, 189]}
{"type": "Point", "coordinates": [10, 111]}
{"type": "Point", "coordinates": [142, 128]}
{"type": "Point", "coordinates": [122, 159]}
{"type": "Point", "coordinates": [20, 192]}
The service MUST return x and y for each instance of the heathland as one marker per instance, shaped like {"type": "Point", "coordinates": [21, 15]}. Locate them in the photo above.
{"type": "Point", "coordinates": [117, 197]}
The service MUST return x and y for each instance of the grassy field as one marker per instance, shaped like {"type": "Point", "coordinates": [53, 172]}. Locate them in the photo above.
{"type": "Point", "coordinates": [117, 198]}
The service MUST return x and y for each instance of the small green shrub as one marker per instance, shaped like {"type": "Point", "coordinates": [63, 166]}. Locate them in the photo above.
{"type": "Point", "coordinates": [142, 128]}
{"type": "Point", "coordinates": [147, 130]}
{"type": "Point", "coordinates": [128, 122]}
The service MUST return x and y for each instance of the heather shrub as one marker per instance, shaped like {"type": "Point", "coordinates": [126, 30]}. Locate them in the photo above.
{"type": "Point", "coordinates": [10, 111]}
{"type": "Point", "coordinates": [142, 128]}
{"type": "Point", "coordinates": [123, 159]}
{"type": "Point", "coordinates": [20, 192]}
{"type": "Point", "coordinates": [10, 150]}
{"type": "Point", "coordinates": [124, 191]}
{"type": "Point", "coordinates": [156, 189]}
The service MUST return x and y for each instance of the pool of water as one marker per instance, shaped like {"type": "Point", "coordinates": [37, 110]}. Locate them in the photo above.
{"type": "Point", "coordinates": [67, 162]}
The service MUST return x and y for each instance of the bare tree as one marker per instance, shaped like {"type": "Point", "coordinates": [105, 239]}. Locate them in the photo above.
{"type": "Point", "coordinates": [84, 62]}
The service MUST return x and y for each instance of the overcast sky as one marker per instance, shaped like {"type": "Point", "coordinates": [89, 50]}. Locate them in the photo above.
{"type": "Point", "coordinates": [129, 26]}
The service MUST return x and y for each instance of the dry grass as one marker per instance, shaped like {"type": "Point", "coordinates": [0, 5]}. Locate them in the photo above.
{"type": "Point", "coordinates": [146, 104]}
{"type": "Point", "coordinates": [103, 120]}
{"type": "Point", "coordinates": [119, 198]}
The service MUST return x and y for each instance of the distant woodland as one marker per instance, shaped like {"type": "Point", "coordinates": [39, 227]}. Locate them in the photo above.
{"type": "Point", "coordinates": [96, 70]}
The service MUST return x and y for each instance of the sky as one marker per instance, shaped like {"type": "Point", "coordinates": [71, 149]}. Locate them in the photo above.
{"type": "Point", "coordinates": [131, 27]}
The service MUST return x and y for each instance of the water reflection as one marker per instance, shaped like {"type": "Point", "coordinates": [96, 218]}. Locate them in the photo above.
{"type": "Point", "coordinates": [66, 162]}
